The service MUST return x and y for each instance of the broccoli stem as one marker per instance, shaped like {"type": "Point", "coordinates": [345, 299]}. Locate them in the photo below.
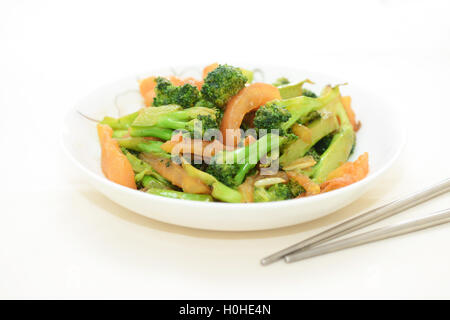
{"type": "Point", "coordinates": [300, 107]}
{"type": "Point", "coordinates": [252, 152]}
{"type": "Point", "coordinates": [218, 190]}
{"type": "Point", "coordinates": [119, 133]}
{"type": "Point", "coordinates": [142, 168]}
{"type": "Point", "coordinates": [171, 117]}
{"type": "Point", "coordinates": [339, 150]}
{"type": "Point", "coordinates": [122, 123]}
{"type": "Point", "coordinates": [292, 90]}
{"type": "Point", "coordinates": [180, 195]}
{"type": "Point", "coordinates": [140, 144]}
{"type": "Point", "coordinates": [161, 133]}
{"type": "Point", "coordinates": [151, 146]}
{"type": "Point", "coordinates": [173, 123]}
{"type": "Point", "coordinates": [246, 158]}
{"type": "Point", "coordinates": [319, 129]}
{"type": "Point", "coordinates": [243, 170]}
{"type": "Point", "coordinates": [148, 181]}
{"type": "Point", "coordinates": [159, 117]}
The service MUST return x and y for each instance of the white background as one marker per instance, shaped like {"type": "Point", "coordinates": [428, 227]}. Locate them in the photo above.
{"type": "Point", "coordinates": [60, 238]}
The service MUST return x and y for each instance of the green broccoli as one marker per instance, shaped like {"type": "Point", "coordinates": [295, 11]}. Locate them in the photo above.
{"type": "Point", "coordinates": [218, 190]}
{"type": "Point", "coordinates": [276, 192]}
{"type": "Point", "coordinates": [139, 144]}
{"type": "Point", "coordinates": [281, 82]}
{"type": "Point", "coordinates": [304, 109]}
{"type": "Point", "coordinates": [205, 104]}
{"type": "Point", "coordinates": [223, 83]}
{"type": "Point", "coordinates": [122, 123]}
{"type": "Point", "coordinates": [271, 116]}
{"type": "Point", "coordinates": [338, 150]}
{"type": "Point", "coordinates": [173, 117]}
{"type": "Point", "coordinates": [225, 173]}
{"type": "Point", "coordinates": [295, 188]}
{"type": "Point", "coordinates": [186, 95]}
{"type": "Point", "coordinates": [313, 153]}
{"type": "Point", "coordinates": [146, 176]}
{"type": "Point", "coordinates": [231, 167]}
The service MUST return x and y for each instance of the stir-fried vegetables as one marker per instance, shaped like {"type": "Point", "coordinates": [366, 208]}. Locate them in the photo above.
{"type": "Point", "coordinates": [224, 138]}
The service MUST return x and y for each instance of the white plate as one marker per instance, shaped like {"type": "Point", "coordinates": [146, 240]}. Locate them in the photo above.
{"type": "Point", "coordinates": [380, 135]}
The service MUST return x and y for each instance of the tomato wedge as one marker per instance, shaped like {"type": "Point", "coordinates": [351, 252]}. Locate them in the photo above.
{"type": "Point", "coordinates": [248, 99]}
{"type": "Point", "coordinates": [346, 174]}
{"type": "Point", "coordinates": [147, 89]}
{"type": "Point", "coordinates": [209, 68]}
{"type": "Point", "coordinates": [147, 86]}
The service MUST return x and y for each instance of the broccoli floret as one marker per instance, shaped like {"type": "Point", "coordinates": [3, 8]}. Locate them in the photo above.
{"type": "Point", "coordinates": [205, 104]}
{"type": "Point", "coordinates": [280, 191]}
{"type": "Point", "coordinates": [271, 116]}
{"type": "Point", "coordinates": [186, 95]}
{"type": "Point", "coordinates": [281, 82]}
{"type": "Point", "coordinates": [295, 188]}
{"type": "Point", "coordinates": [209, 121]}
{"type": "Point", "coordinates": [165, 92]}
{"type": "Point", "coordinates": [308, 93]}
{"type": "Point", "coordinates": [223, 83]}
{"type": "Point", "coordinates": [225, 173]}
{"type": "Point", "coordinates": [313, 153]}
{"type": "Point", "coordinates": [231, 167]}
{"type": "Point", "coordinates": [276, 192]}
{"type": "Point", "coordinates": [261, 195]}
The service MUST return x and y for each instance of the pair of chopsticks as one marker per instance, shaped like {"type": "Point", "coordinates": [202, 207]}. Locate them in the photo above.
{"type": "Point", "coordinates": [312, 247]}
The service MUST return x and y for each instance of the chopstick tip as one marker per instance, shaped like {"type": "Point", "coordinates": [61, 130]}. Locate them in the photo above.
{"type": "Point", "coordinates": [268, 260]}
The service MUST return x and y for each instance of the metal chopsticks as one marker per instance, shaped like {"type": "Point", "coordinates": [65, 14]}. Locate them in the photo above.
{"type": "Point", "coordinates": [363, 220]}
{"type": "Point", "coordinates": [432, 220]}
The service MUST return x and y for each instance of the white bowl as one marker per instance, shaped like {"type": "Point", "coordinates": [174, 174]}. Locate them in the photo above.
{"type": "Point", "coordinates": [380, 135]}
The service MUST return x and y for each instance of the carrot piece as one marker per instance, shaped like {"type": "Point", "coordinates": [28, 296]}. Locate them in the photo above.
{"type": "Point", "coordinates": [209, 68]}
{"type": "Point", "coordinates": [176, 174]}
{"type": "Point", "coordinates": [347, 103]}
{"type": "Point", "coordinates": [115, 165]}
{"type": "Point", "coordinates": [248, 99]}
{"type": "Point", "coordinates": [147, 89]}
{"type": "Point", "coordinates": [336, 183]}
{"type": "Point", "coordinates": [179, 82]}
{"type": "Point", "coordinates": [310, 186]}
{"type": "Point", "coordinates": [147, 86]}
{"type": "Point", "coordinates": [346, 174]}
